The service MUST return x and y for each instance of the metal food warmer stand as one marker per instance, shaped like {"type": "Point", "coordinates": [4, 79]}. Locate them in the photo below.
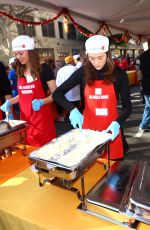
{"type": "Point", "coordinates": [124, 189]}
{"type": "Point", "coordinates": [12, 132]}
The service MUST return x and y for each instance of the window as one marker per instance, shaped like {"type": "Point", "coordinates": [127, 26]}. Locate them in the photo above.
{"type": "Point", "coordinates": [45, 52]}
{"type": "Point", "coordinates": [71, 32]}
{"type": "Point", "coordinates": [48, 30]}
{"type": "Point", "coordinates": [26, 29]}
{"type": "Point", "coordinates": [60, 27]}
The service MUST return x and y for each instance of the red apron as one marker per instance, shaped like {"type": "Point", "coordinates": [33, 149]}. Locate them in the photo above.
{"type": "Point", "coordinates": [40, 124]}
{"type": "Point", "coordinates": [100, 110]}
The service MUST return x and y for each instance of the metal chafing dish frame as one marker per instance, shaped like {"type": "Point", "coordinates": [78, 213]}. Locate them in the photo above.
{"type": "Point", "coordinates": [133, 220]}
{"type": "Point", "coordinates": [67, 173]}
{"type": "Point", "coordinates": [13, 135]}
{"type": "Point", "coordinates": [70, 175]}
{"type": "Point", "coordinates": [65, 177]}
{"type": "Point", "coordinates": [128, 206]}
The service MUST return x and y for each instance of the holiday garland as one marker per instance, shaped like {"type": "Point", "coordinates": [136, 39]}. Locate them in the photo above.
{"type": "Point", "coordinates": [65, 12]}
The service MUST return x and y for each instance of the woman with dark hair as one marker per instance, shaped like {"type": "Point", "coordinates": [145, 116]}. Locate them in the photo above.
{"type": "Point", "coordinates": [34, 80]}
{"type": "Point", "coordinates": [101, 84]}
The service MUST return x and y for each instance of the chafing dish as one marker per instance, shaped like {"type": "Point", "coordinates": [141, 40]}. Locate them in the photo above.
{"type": "Point", "coordinates": [11, 133]}
{"type": "Point", "coordinates": [137, 203]}
{"type": "Point", "coordinates": [69, 156]}
{"type": "Point", "coordinates": [125, 190]}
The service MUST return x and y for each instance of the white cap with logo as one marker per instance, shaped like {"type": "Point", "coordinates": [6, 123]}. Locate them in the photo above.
{"type": "Point", "coordinates": [76, 56]}
{"type": "Point", "coordinates": [22, 42]}
{"type": "Point", "coordinates": [11, 60]}
{"type": "Point", "coordinates": [97, 44]}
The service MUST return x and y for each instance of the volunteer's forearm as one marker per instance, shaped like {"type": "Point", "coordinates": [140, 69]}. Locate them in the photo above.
{"type": "Point", "coordinates": [14, 100]}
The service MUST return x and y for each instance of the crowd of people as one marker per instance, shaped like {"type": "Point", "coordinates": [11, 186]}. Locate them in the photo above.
{"type": "Point", "coordinates": [87, 89]}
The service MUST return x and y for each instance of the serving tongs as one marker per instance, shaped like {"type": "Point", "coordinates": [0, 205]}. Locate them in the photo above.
{"type": "Point", "coordinates": [7, 118]}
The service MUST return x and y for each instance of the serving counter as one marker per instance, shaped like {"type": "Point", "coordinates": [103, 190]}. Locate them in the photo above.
{"type": "Point", "coordinates": [24, 205]}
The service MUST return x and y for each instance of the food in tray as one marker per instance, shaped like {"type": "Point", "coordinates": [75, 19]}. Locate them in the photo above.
{"type": "Point", "coordinates": [72, 147]}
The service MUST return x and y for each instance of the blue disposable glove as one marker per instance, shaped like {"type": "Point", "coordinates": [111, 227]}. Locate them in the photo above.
{"type": "Point", "coordinates": [10, 116]}
{"type": "Point", "coordinates": [76, 118]}
{"type": "Point", "coordinates": [114, 128]}
{"type": "Point", "coordinates": [36, 104]}
{"type": "Point", "coordinates": [6, 106]}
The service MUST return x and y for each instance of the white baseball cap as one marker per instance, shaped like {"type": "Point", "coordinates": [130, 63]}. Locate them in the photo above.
{"type": "Point", "coordinates": [97, 44]}
{"type": "Point", "coordinates": [11, 60]}
{"type": "Point", "coordinates": [76, 56]}
{"type": "Point", "coordinates": [22, 42]}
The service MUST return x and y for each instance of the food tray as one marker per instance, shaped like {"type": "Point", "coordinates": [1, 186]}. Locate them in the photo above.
{"type": "Point", "coordinates": [139, 197]}
{"type": "Point", "coordinates": [70, 149]}
{"type": "Point", "coordinates": [110, 190]}
{"type": "Point", "coordinates": [7, 127]}
{"type": "Point", "coordinates": [125, 190]}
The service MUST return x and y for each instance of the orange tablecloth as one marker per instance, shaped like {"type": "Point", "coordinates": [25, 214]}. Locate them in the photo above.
{"type": "Point", "coordinates": [24, 205]}
{"type": "Point", "coordinates": [12, 165]}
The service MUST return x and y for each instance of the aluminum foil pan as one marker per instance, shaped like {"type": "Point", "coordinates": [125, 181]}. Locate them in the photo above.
{"type": "Point", "coordinates": [70, 149]}
{"type": "Point", "coordinates": [7, 127]}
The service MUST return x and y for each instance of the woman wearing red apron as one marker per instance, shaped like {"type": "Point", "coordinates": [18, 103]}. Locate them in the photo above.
{"type": "Point", "coordinates": [102, 83]}
{"type": "Point", "coordinates": [32, 98]}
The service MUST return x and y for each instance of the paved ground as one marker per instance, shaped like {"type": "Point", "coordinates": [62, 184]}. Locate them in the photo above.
{"type": "Point", "coordinates": [139, 147]}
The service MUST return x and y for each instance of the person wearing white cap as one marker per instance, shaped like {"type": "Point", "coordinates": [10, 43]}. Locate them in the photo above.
{"type": "Point", "coordinates": [102, 84]}
{"type": "Point", "coordinates": [62, 75]}
{"type": "Point", "coordinates": [77, 60]}
{"type": "Point", "coordinates": [34, 81]}
{"type": "Point", "coordinates": [12, 76]}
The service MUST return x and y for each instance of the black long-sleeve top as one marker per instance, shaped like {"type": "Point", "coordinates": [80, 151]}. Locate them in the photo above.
{"type": "Point", "coordinates": [121, 86]}
{"type": "Point", "coordinates": [5, 86]}
{"type": "Point", "coordinates": [145, 68]}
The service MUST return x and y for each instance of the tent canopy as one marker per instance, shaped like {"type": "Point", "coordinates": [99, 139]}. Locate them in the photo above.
{"type": "Point", "coordinates": [130, 15]}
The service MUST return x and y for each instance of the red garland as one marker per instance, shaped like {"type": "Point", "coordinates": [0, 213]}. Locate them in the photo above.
{"type": "Point", "coordinates": [64, 12]}
{"type": "Point", "coordinates": [26, 22]}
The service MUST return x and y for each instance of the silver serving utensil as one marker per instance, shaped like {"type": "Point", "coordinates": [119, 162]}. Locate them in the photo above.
{"type": "Point", "coordinates": [7, 116]}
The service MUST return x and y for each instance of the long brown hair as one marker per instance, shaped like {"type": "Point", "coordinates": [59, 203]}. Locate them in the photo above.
{"type": "Point", "coordinates": [34, 61]}
{"type": "Point", "coordinates": [90, 72]}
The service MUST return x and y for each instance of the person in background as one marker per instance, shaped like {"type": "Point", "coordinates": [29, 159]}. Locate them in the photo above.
{"type": "Point", "coordinates": [50, 61]}
{"type": "Point", "coordinates": [102, 84]}
{"type": "Point", "coordinates": [128, 58]}
{"type": "Point", "coordinates": [138, 65]}
{"type": "Point", "coordinates": [34, 80]}
{"type": "Point", "coordinates": [139, 74]}
{"type": "Point", "coordinates": [5, 90]}
{"type": "Point", "coordinates": [77, 60]}
{"type": "Point", "coordinates": [58, 65]}
{"type": "Point", "coordinates": [145, 82]}
{"type": "Point", "coordinates": [62, 75]}
{"type": "Point", "coordinates": [12, 76]}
